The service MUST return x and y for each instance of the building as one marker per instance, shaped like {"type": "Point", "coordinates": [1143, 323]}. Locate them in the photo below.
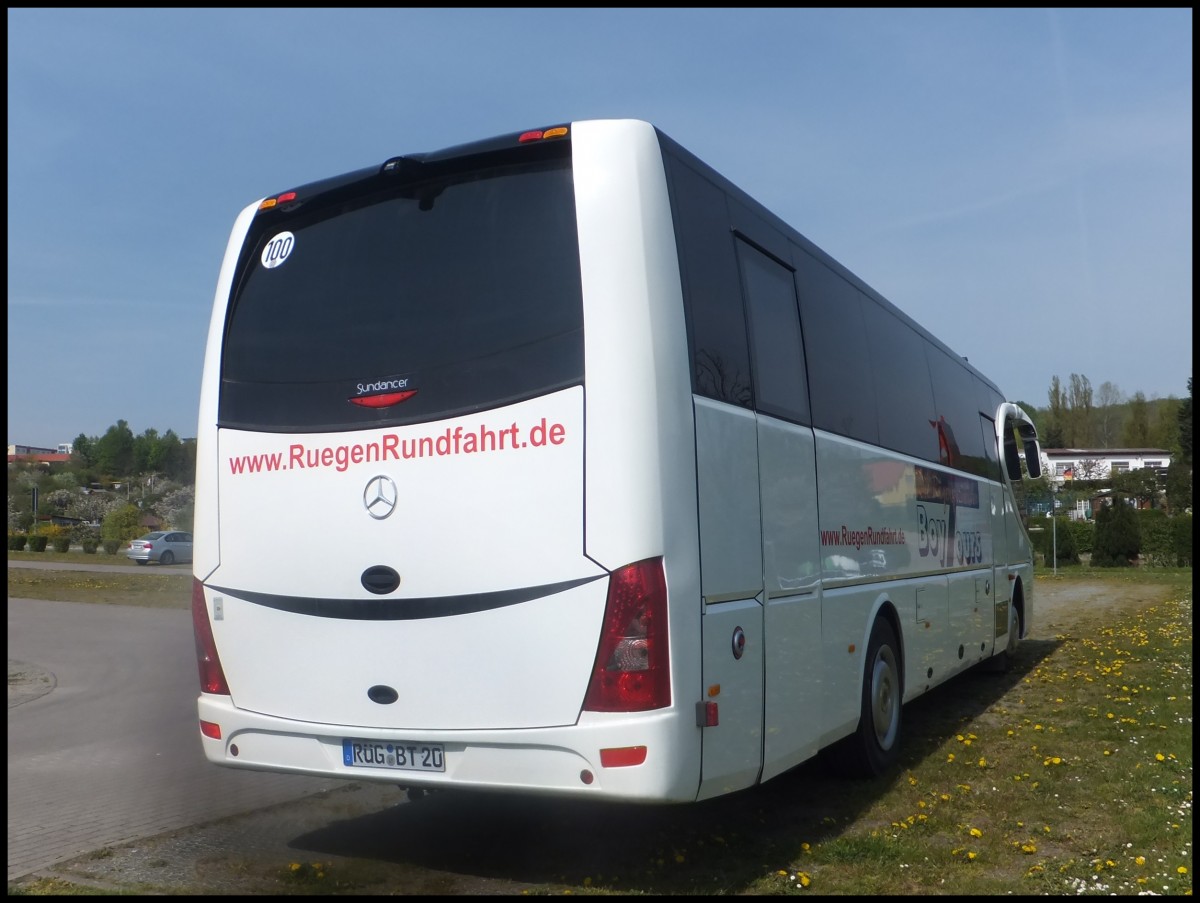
{"type": "Point", "coordinates": [1063, 465]}
{"type": "Point", "coordinates": [40, 455]}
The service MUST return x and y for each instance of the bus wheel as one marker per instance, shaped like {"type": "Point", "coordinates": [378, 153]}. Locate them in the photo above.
{"type": "Point", "coordinates": [876, 745]}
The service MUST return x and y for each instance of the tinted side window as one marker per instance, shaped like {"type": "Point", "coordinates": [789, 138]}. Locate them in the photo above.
{"type": "Point", "coordinates": [903, 392]}
{"type": "Point", "coordinates": [780, 386]}
{"type": "Point", "coordinates": [960, 438]}
{"type": "Point", "coordinates": [839, 375]}
{"type": "Point", "coordinates": [712, 296]}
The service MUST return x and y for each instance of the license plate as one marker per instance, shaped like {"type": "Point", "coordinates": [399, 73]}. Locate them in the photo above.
{"type": "Point", "coordinates": [396, 756]}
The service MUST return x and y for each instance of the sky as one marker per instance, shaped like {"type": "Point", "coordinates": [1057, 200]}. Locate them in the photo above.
{"type": "Point", "coordinates": [1019, 181]}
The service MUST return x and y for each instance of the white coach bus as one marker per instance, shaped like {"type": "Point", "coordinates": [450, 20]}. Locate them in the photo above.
{"type": "Point", "coordinates": [554, 463]}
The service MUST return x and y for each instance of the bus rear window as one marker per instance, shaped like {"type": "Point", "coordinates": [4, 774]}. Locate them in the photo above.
{"type": "Point", "coordinates": [400, 303]}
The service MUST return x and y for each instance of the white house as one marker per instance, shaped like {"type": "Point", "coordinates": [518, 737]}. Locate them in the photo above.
{"type": "Point", "coordinates": [1062, 465]}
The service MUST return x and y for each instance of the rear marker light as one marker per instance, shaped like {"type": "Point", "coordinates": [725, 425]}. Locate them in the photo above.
{"type": "Point", "coordinates": [622, 756]}
{"type": "Point", "coordinates": [540, 135]}
{"type": "Point", "coordinates": [212, 676]}
{"type": "Point", "coordinates": [210, 730]}
{"type": "Point", "coordinates": [383, 401]}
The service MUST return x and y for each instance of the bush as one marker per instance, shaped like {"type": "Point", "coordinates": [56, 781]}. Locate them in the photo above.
{"type": "Point", "coordinates": [1118, 539]}
{"type": "Point", "coordinates": [1181, 539]}
{"type": "Point", "coordinates": [61, 543]}
{"type": "Point", "coordinates": [1061, 538]}
{"type": "Point", "coordinates": [111, 546]}
{"type": "Point", "coordinates": [37, 543]}
{"type": "Point", "coordinates": [1158, 547]}
{"type": "Point", "coordinates": [90, 545]}
{"type": "Point", "coordinates": [16, 541]}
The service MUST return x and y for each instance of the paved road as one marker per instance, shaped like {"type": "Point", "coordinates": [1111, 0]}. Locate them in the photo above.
{"type": "Point", "coordinates": [102, 744]}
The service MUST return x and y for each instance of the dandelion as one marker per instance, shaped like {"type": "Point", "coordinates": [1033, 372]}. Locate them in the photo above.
{"type": "Point", "coordinates": [975, 832]}
{"type": "Point", "coordinates": [971, 854]}
{"type": "Point", "coordinates": [950, 757]}
{"type": "Point", "coordinates": [1140, 860]}
{"type": "Point", "coordinates": [1029, 848]}
{"type": "Point", "coordinates": [982, 762]}
{"type": "Point", "coordinates": [1159, 757]}
{"type": "Point", "coordinates": [1182, 870]}
{"type": "Point", "coordinates": [295, 866]}
{"type": "Point", "coordinates": [805, 879]}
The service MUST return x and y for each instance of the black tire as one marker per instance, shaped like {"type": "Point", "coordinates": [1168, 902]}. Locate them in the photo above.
{"type": "Point", "coordinates": [874, 748]}
{"type": "Point", "coordinates": [140, 561]}
{"type": "Point", "coordinates": [167, 558]}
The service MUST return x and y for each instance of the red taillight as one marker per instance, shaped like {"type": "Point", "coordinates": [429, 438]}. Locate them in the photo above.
{"type": "Point", "coordinates": [147, 546]}
{"type": "Point", "coordinates": [632, 671]}
{"type": "Point", "coordinates": [383, 401]}
{"type": "Point", "coordinates": [212, 678]}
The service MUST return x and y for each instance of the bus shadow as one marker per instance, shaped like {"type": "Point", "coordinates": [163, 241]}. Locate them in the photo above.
{"type": "Point", "coordinates": [722, 845]}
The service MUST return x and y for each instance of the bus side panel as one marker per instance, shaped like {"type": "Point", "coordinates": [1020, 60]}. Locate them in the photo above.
{"type": "Point", "coordinates": [206, 553]}
{"type": "Point", "coordinates": [731, 568]}
{"type": "Point", "coordinates": [885, 517]}
{"type": "Point", "coordinates": [791, 583]}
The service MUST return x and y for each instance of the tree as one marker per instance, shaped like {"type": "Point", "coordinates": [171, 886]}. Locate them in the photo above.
{"type": "Point", "coordinates": [1137, 427]}
{"type": "Point", "coordinates": [1108, 401]}
{"type": "Point", "coordinates": [1118, 535]}
{"type": "Point", "coordinates": [1179, 487]}
{"type": "Point", "coordinates": [114, 450]}
{"type": "Point", "coordinates": [1141, 484]}
{"type": "Point", "coordinates": [122, 523]}
{"type": "Point", "coordinates": [83, 453]}
{"type": "Point", "coordinates": [1184, 416]}
{"type": "Point", "coordinates": [1081, 419]}
{"type": "Point", "coordinates": [1056, 436]}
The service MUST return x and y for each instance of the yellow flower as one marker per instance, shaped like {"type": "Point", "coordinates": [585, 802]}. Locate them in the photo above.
{"type": "Point", "coordinates": [975, 832]}
{"type": "Point", "coordinates": [982, 762]}
{"type": "Point", "coordinates": [1159, 757]}
{"type": "Point", "coordinates": [950, 757]}
{"type": "Point", "coordinates": [1182, 870]}
{"type": "Point", "coordinates": [805, 880]}
{"type": "Point", "coordinates": [1029, 847]}
{"type": "Point", "coordinates": [1140, 860]}
{"type": "Point", "coordinates": [972, 854]}
{"type": "Point", "coordinates": [295, 866]}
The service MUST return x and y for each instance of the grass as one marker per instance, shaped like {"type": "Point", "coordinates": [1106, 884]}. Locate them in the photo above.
{"type": "Point", "coordinates": [157, 587]}
{"type": "Point", "coordinates": [1072, 774]}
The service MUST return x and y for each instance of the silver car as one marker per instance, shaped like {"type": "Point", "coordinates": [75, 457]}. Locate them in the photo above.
{"type": "Point", "coordinates": [163, 547]}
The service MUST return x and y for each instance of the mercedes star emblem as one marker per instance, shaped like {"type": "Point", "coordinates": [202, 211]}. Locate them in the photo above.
{"type": "Point", "coordinates": [380, 497]}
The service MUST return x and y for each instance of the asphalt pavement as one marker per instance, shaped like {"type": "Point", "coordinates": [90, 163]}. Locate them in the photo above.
{"type": "Point", "coordinates": [102, 736]}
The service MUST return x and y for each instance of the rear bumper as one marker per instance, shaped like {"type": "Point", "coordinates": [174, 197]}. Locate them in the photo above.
{"type": "Point", "coordinates": [558, 761]}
